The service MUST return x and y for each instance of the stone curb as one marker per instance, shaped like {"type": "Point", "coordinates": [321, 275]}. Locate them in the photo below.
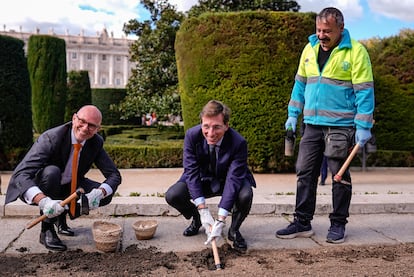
{"type": "Point", "coordinates": [262, 205]}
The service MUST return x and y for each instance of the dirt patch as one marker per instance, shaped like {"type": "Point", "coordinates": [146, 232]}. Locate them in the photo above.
{"type": "Point", "coordinates": [378, 260]}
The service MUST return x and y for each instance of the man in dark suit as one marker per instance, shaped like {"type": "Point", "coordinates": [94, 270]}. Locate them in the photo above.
{"type": "Point", "coordinates": [215, 164]}
{"type": "Point", "coordinates": [43, 177]}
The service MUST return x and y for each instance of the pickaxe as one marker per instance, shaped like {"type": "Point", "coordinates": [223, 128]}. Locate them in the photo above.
{"type": "Point", "coordinates": [338, 176]}
{"type": "Point", "coordinates": [75, 195]}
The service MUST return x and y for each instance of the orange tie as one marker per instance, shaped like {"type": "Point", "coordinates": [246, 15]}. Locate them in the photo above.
{"type": "Point", "coordinates": [73, 184]}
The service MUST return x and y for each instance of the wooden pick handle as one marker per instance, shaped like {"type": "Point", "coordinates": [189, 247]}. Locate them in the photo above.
{"type": "Point", "coordinates": [217, 261]}
{"type": "Point", "coordinates": [338, 176]}
{"type": "Point", "coordinates": [63, 203]}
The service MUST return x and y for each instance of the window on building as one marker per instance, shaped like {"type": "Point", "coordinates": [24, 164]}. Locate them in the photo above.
{"type": "Point", "coordinates": [118, 81]}
{"type": "Point", "coordinates": [89, 56]}
{"type": "Point", "coordinates": [104, 57]}
{"type": "Point", "coordinates": [103, 82]}
{"type": "Point", "coordinates": [118, 58]}
{"type": "Point", "coordinates": [74, 56]}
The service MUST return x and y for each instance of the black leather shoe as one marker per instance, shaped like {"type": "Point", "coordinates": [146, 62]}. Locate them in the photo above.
{"type": "Point", "coordinates": [192, 230]}
{"type": "Point", "coordinates": [63, 228]}
{"type": "Point", "coordinates": [50, 239]}
{"type": "Point", "coordinates": [238, 241]}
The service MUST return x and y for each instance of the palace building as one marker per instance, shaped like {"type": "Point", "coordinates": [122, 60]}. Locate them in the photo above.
{"type": "Point", "coordinates": [105, 58]}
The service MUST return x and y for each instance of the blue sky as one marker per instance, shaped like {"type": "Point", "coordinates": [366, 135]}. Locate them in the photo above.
{"type": "Point", "coordinates": [364, 18]}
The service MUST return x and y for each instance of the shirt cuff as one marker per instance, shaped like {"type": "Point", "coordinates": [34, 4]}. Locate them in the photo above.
{"type": "Point", "coordinates": [223, 212]}
{"type": "Point", "coordinates": [30, 194]}
{"type": "Point", "coordinates": [107, 188]}
{"type": "Point", "coordinates": [199, 200]}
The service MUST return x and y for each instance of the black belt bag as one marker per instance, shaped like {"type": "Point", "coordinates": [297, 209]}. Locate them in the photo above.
{"type": "Point", "coordinates": [338, 141]}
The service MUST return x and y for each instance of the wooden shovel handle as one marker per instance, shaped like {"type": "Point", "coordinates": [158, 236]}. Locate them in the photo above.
{"type": "Point", "coordinates": [63, 203]}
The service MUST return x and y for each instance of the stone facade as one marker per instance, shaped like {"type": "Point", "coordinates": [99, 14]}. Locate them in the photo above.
{"type": "Point", "coordinates": [105, 58]}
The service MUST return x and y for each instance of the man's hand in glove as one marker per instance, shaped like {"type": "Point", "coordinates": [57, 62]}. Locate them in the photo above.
{"type": "Point", "coordinates": [291, 123]}
{"type": "Point", "coordinates": [362, 136]}
{"type": "Point", "coordinates": [94, 198]}
{"type": "Point", "coordinates": [207, 220]}
{"type": "Point", "coordinates": [215, 231]}
{"type": "Point", "coordinates": [51, 208]}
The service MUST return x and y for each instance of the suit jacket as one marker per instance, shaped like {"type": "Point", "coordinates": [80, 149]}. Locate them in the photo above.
{"type": "Point", "coordinates": [232, 169]}
{"type": "Point", "coordinates": [53, 148]}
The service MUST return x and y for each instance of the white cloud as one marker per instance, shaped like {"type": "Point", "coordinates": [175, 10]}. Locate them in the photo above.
{"type": "Point", "coordinates": [183, 5]}
{"type": "Point", "coordinates": [351, 9]}
{"type": "Point", "coordinates": [67, 15]}
{"type": "Point", "coordinates": [62, 15]}
{"type": "Point", "coordinates": [402, 9]}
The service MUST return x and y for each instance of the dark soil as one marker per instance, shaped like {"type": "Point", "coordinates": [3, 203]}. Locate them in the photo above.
{"type": "Point", "coordinates": [379, 260]}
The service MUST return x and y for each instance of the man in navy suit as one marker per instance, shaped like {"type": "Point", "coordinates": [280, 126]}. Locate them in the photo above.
{"type": "Point", "coordinates": [215, 164]}
{"type": "Point", "coordinates": [43, 177]}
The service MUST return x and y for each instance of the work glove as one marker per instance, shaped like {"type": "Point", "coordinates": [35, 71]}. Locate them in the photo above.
{"type": "Point", "coordinates": [207, 220]}
{"type": "Point", "coordinates": [362, 136]}
{"type": "Point", "coordinates": [94, 198]}
{"type": "Point", "coordinates": [215, 231]}
{"type": "Point", "coordinates": [51, 208]}
{"type": "Point", "coordinates": [291, 123]}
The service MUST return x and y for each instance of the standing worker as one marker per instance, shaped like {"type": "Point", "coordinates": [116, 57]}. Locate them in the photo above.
{"type": "Point", "coordinates": [44, 176]}
{"type": "Point", "coordinates": [334, 89]}
{"type": "Point", "coordinates": [215, 164]}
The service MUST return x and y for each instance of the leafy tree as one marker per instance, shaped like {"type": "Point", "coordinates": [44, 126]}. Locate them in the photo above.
{"type": "Point", "coordinates": [242, 5]}
{"type": "Point", "coordinates": [154, 83]}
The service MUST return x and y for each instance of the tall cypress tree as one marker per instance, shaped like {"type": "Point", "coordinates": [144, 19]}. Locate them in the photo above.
{"type": "Point", "coordinates": [15, 111]}
{"type": "Point", "coordinates": [46, 58]}
{"type": "Point", "coordinates": [79, 92]}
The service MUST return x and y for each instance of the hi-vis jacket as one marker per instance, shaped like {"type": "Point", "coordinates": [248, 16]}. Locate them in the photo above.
{"type": "Point", "coordinates": [342, 94]}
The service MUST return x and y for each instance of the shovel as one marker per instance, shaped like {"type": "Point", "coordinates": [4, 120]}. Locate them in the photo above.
{"type": "Point", "coordinates": [74, 195]}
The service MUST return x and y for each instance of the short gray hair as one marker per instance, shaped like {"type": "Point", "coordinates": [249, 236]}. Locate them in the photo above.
{"type": "Point", "coordinates": [334, 12]}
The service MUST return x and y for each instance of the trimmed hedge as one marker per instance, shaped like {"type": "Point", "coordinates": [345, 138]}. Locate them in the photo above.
{"type": "Point", "coordinates": [248, 60]}
{"type": "Point", "coordinates": [107, 100]}
{"type": "Point", "coordinates": [140, 156]}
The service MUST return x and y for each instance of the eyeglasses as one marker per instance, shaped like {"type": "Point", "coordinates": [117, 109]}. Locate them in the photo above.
{"type": "Point", "coordinates": [83, 122]}
{"type": "Point", "coordinates": [214, 127]}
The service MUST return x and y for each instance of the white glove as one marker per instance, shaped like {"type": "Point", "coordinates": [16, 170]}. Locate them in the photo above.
{"type": "Point", "coordinates": [94, 198]}
{"type": "Point", "coordinates": [207, 220]}
{"type": "Point", "coordinates": [215, 231]}
{"type": "Point", "coordinates": [51, 208]}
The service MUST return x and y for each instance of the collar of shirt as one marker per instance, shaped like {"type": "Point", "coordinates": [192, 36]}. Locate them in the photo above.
{"type": "Point", "coordinates": [74, 140]}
